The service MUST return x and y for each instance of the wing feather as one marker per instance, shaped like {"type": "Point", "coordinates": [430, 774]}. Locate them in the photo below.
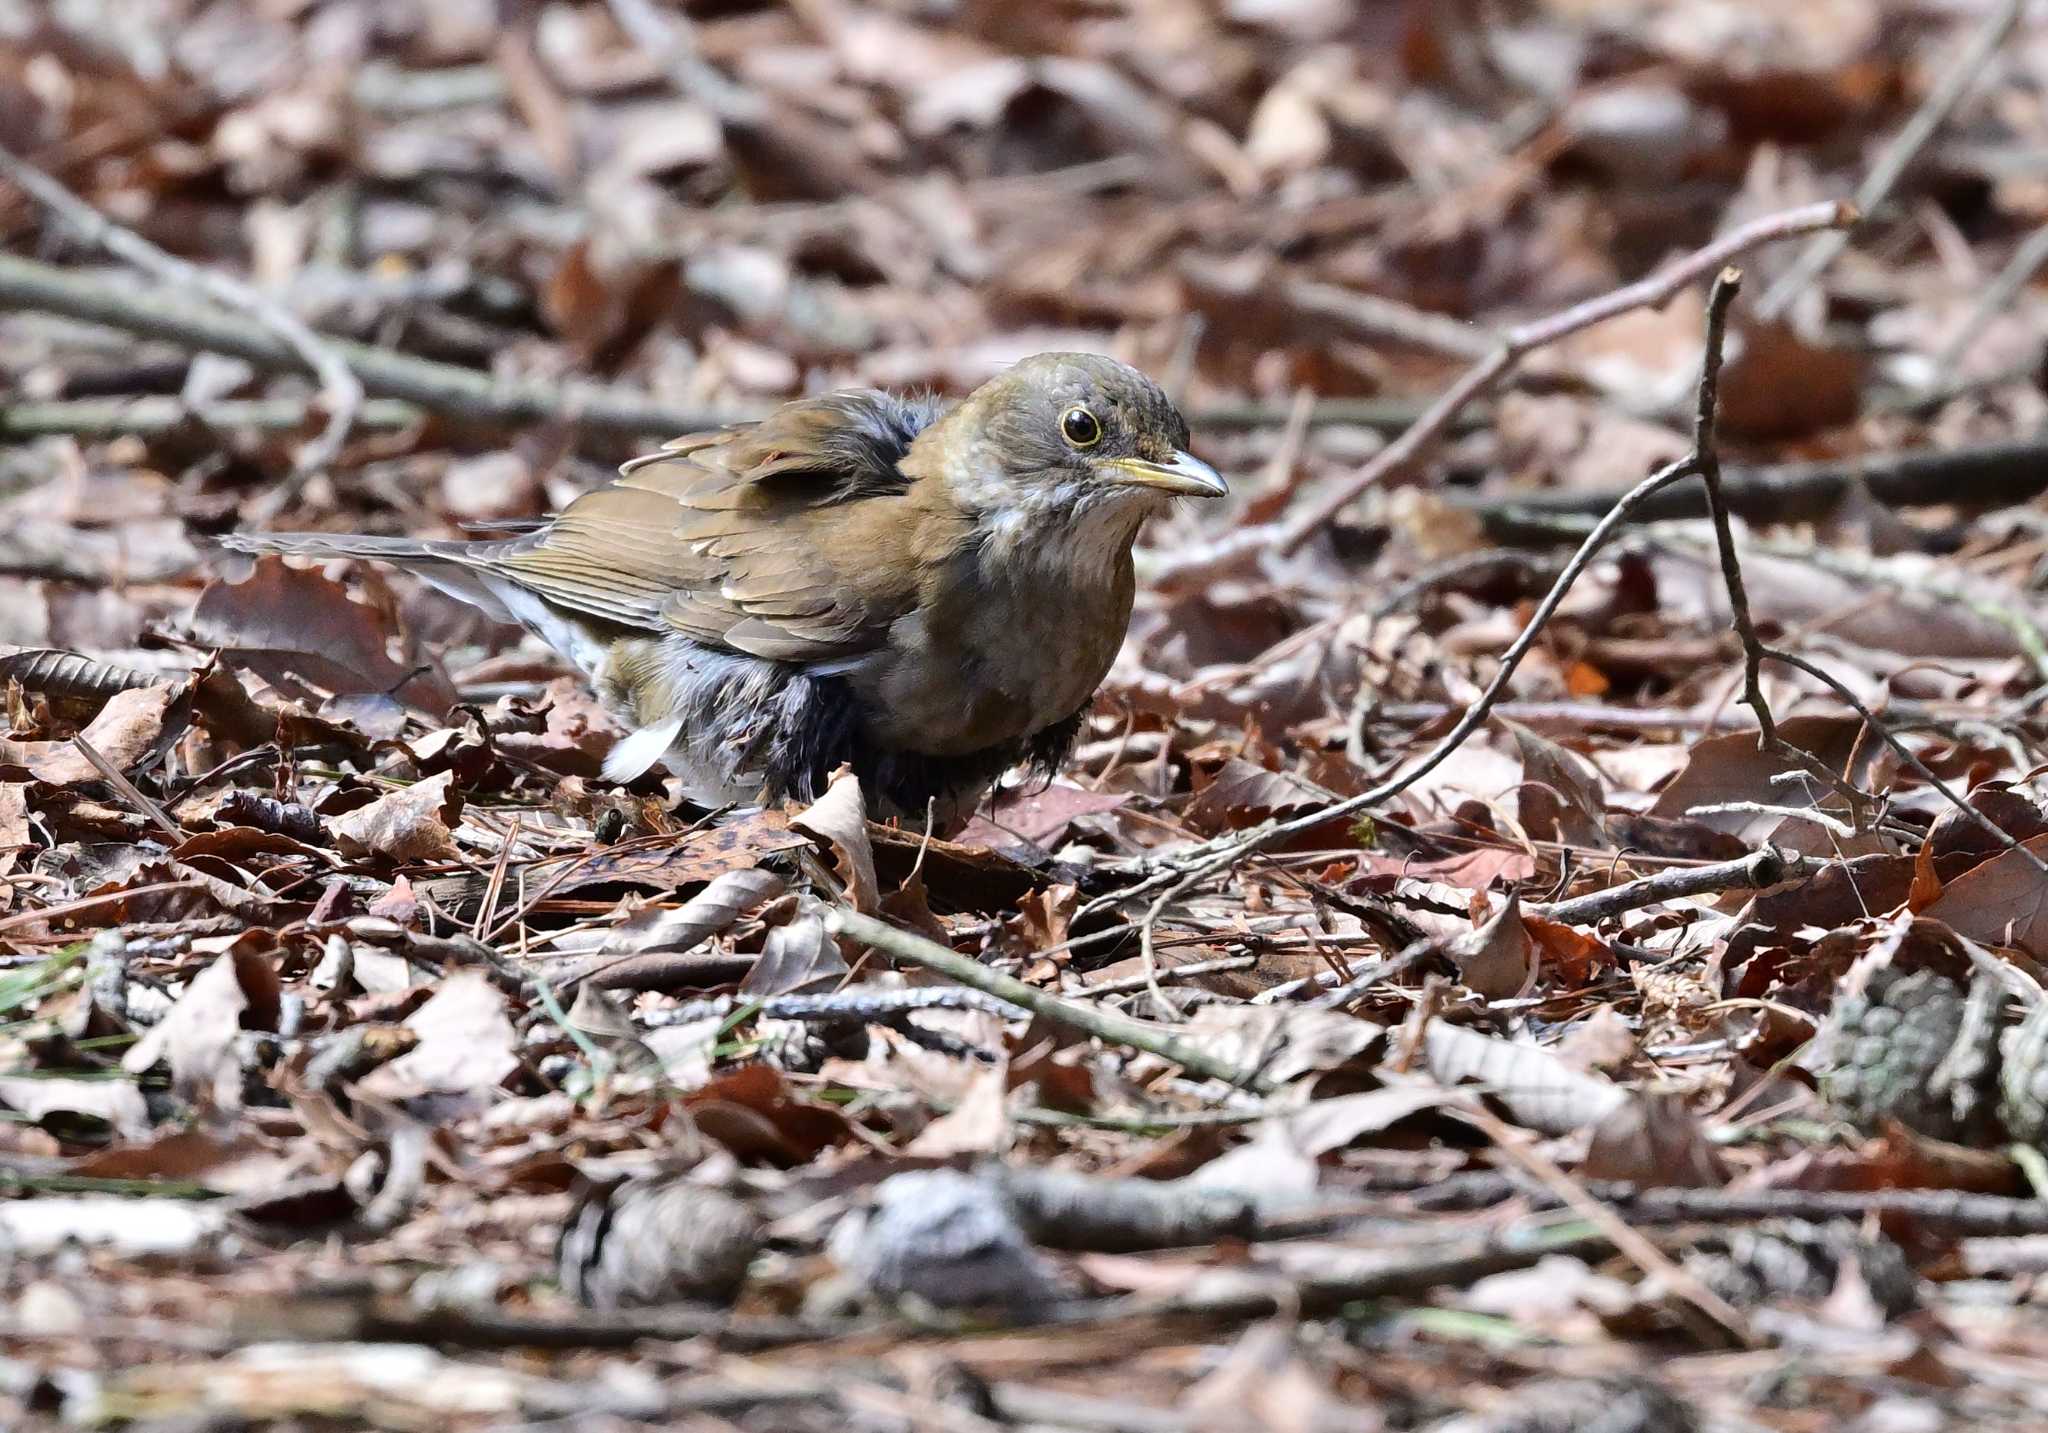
{"type": "Point", "coordinates": [730, 538]}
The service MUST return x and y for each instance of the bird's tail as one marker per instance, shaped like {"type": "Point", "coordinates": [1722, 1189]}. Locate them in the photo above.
{"type": "Point", "coordinates": [443, 563]}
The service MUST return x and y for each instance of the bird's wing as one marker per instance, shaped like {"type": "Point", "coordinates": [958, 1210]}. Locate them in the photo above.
{"type": "Point", "coordinates": [729, 538]}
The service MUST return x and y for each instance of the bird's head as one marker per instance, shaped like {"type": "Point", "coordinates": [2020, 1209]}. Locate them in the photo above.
{"type": "Point", "coordinates": [1065, 437]}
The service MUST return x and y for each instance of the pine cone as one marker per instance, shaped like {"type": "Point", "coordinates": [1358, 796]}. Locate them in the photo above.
{"type": "Point", "coordinates": [2023, 1080]}
{"type": "Point", "coordinates": [653, 1240]}
{"type": "Point", "coordinates": [1918, 1048]}
{"type": "Point", "coordinates": [1792, 1258]}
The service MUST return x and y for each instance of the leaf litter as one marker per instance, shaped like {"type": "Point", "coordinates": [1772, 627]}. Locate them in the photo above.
{"type": "Point", "coordinates": [364, 1055]}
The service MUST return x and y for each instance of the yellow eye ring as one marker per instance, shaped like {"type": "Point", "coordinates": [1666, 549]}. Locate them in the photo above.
{"type": "Point", "coordinates": [1080, 428]}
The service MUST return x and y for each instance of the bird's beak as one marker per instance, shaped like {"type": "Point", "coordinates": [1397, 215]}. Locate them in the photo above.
{"type": "Point", "coordinates": [1183, 474]}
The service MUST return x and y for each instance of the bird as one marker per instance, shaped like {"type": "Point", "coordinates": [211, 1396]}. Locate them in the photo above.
{"type": "Point", "coordinates": [929, 595]}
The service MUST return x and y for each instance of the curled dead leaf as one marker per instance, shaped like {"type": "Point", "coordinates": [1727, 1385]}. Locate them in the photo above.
{"type": "Point", "coordinates": [839, 818]}
{"type": "Point", "coordinates": [1497, 960]}
{"type": "Point", "coordinates": [414, 823]}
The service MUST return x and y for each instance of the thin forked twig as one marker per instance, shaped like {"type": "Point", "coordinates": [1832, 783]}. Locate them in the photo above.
{"type": "Point", "coordinates": [1521, 340]}
{"type": "Point", "coordinates": [1755, 653]}
{"type": "Point", "coordinates": [343, 389]}
{"type": "Point", "coordinates": [1220, 856]}
{"type": "Point", "coordinates": [1906, 754]}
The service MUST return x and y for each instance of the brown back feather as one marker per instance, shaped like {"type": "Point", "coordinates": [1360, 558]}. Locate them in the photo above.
{"type": "Point", "coordinates": [795, 539]}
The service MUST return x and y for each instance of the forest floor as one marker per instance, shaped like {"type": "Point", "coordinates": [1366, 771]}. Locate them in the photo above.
{"type": "Point", "coordinates": [1517, 947]}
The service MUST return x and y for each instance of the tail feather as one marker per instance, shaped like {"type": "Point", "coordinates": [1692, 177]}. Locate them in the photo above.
{"type": "Point", "coordinates": [444, 564]}
{"type": "Point", "coordinates": [398, 550]}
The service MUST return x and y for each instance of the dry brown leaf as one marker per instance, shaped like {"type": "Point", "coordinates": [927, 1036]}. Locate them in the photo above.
{"type": "Point", "coordinates": [1325, 1125]}
{"type": "Point", "coordinates": [286, 620]}
{"type": "Point", "coordinates": [1777, 385]}
{"type": "Point", "coordinates": [15, 836]}
{"type": "Point", "coordinates": [2002, 902]}
{"type": "Point", "coordinates": [466, 1044]}
{"type": "Point", "coordinates": [1039, 815]}
{"type": "Point", "coordinates": [694, 856]}
{"type": "Point", "coordinates": [795, 954]}
{"type": "Point", "coordinates": [1926, 887]}
{"type": "Point", "coordinates": [696, 920]}
{"type": "Point", "coordinates": [198, 1034]}
{"type": "Point", "coordinates": [1730, 768]}
{"type": "Point", "coordinates": [1654, 1139]}
{"type": "Point", "coordinates": [413, 824]}
{"type": "Point", "coordinates": [1241, 794]}
{"type": "Point", "coordinates": [978, 1124]}
{"type": "Point", "coordinates": [839, 819]}
{"type": "Point", "coordinates": [1563, 797]}
{"type": "Point", "coordinates": [126, 730]}
{"type": "Point", "coordinates": [754, 1113]}
{"type": "Point", "coordinates": [1573, 956]}
{"type": "Point", "coordinates": [227, 1164]}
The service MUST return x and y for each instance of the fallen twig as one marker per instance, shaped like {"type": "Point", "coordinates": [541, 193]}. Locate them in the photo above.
{"type": "Point", "coordinates": [1950, 1211]}
{"type": "Point", "coordinates": [91, 418]}
{"type": "Point", "coordinates": [669, 38]}
{"type": "Point", "coordinates": [1986, 475]}
{"type": "Point", "coordinates": [1365, 315]}
{"type": "Point", "coordinates": [2025, 262]}
{"type": "Point", "coordinates": [154, 415]}
{"type": "Point", "coordinates": [440, 387]}
{"type": "Point", "coordinates": [410, 387]}
{"type": "Point", "coordinates": [343, 389]}
{"type": "Point", "coordinates": [1572, 716]}
{"type": "Point", "coordinates": [858, 1004]}
{"type": "Point", "coordinates": [1115, 1029]}
{"type": "Point", "coordinates": [1754, 872]}
{"type": "Point", "coordinates": [129, 792]}
{"type": "Point", "coordinates": [1185, 872]}
{"type": "Point", "coordinates": [1520, 1149]}
{"type": "Point", "coordinates": [1521, 340]}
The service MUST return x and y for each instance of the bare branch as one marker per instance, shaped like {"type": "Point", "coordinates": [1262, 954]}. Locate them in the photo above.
{"type": "Point", "coordinates": [343, 389]}
{"type": "Point", "coordinates": [1519, 341]}
{"type": "Point", "coordinates": [1182, 875]}
{"type": "Point", "coordinates": [441, 387]}
{"type": "Point", "coordinates": [1754, 872]}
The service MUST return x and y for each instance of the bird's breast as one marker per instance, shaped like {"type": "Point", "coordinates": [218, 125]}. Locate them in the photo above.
{"type": "Point", "coordinates": [990, 657]}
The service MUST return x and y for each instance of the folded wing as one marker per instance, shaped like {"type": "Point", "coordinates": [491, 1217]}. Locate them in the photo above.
{"type": "Point", "coordinates": [740, 539]}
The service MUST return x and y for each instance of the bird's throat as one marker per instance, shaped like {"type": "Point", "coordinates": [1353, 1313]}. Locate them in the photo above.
{"type": "Point", "coordinates": [1079, 541]}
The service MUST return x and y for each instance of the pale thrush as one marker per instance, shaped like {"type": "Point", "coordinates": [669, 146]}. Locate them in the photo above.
{"type": "Point", "coordinates": [929, 595]}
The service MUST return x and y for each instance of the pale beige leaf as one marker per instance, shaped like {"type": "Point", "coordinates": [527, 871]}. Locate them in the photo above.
{"type": "Point", "coordinates": [1496, 959]}
{"type": "Point", "coordinates": [1538, 1090]}
{"type": "Point", "coordinates": [839, 818]}
{"type": "Point", "coordinates": [197, 1036]}
{"type": "Point", "coordinates": [466, 1044]}
{"type": "Point", "coordinates": [118, 1102]}
{"type": "Point", "coordinates": [414, 823]}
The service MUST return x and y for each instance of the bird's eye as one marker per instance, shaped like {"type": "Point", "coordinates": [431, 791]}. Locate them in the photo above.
{"type": "Point", "coordinates": [1080, 428]}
